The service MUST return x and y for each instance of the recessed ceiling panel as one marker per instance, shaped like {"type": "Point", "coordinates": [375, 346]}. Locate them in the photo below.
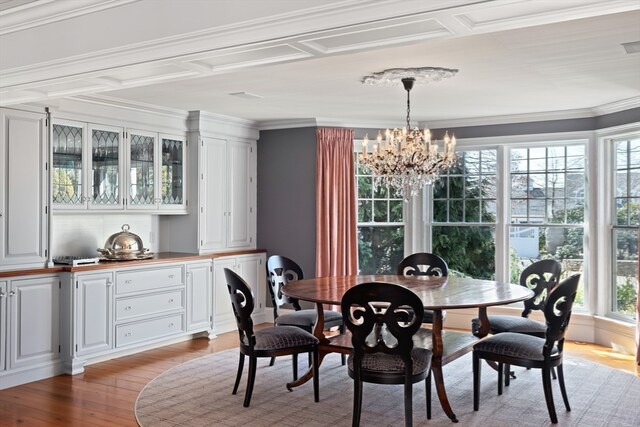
{"type": "Point", "coordinates": [378, 34]}
{"type": "Point", "coordinates": [240, 58]}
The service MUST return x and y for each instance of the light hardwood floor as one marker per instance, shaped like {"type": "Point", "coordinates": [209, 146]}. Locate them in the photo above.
{"type": "Point", "coordinates": [105, 394]}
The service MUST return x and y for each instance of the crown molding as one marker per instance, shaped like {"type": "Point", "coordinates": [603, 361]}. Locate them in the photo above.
{"type": "Point", "coordinates": [614, 107]}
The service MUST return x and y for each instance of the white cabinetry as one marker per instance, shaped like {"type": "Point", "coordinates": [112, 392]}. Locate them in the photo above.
{"type": "Point", "coordinates": [199, 287]}
{"type": "Point", "coordinates": [124, 308]}
{"type": "Point", "coordinates": [227, 202]}
{"type": "Point", "coordinates": [94, 299]}
{"type": "Point", "coordinates": [113, 168]}
{"type": "Point", "coordinates": [30, 329]}
{"type": "Point", "coordinates": [252, 269]}
{"type": "Point", "coordinates": [23, 188]}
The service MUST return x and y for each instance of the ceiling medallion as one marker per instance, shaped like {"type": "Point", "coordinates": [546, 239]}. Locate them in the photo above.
{"type": "Point", "coordinates": [394, 76]}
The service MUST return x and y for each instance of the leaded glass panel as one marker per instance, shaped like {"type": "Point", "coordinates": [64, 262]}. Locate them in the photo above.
{"type": "Point", "coordinates": [105, 152]}
{"type": "Point", "coordinates": [172, 172]}
{"type": "Point", "coordinates": [141, 173]}
{"type": "Point", "coordinates": [67, 165]}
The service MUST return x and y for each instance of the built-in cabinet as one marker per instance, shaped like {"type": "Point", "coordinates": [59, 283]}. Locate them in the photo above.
{"type": "Point", "coordinates": [199, 301]}
{"type": "Point", "coordinates": [129, 307]}
{"type": "Point", "coordinates": [29, 329]}
{"type": "Point", "coordinates": [23, 188]}
{"type": "Point", "coordinates": [94, 297]}
{"type": "Point", "coordinates": [113, 168]}
{"type": "Point", "coordinates": [251, 268]}
{"type": "Point", "coordinates": [227, 194]}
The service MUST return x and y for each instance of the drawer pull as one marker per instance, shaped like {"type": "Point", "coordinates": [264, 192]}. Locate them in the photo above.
{"type": "Point", "coordinates": [12, 293]}
{"type": "Point", "coordinates": [2, 295]}
{"type": "Point", "coordinates": [171, 276]}
{"type": "Point", "coordinates": [171, 300]}
{"type": "Point", "coordinates": [171, 325]}
{"type": "Point", "coordinates": [128, 307]}
{"type": "Point", "coordinates": [127, 281]}
{"type": "Point", "coordinates": [128, 334]}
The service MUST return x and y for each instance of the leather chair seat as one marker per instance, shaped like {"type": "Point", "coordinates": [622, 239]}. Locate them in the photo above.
{"type": "Point", "coordinates": [392, 363]}
{"type": "Point", "coordinates": [282, 337]}
{"type": "Point", "coordinates": [506, 323]}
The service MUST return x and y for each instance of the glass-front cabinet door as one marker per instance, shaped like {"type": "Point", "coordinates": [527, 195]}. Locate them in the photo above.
{"type": "Point", "coordinates": [105, 166]}
{"type": "Point", "coordinates": [141, 170]}
{"type": "Point", "coordinates": [172, 189]}
{"type": "Point", "coordinates": [68, 174]}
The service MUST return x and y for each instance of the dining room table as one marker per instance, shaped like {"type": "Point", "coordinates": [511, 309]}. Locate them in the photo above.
{"type": "Point", "coordinates": [437, 294]}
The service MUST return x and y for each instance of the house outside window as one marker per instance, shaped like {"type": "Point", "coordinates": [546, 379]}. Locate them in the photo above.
{"type": "Point", "coordinates": [625, 227]}
{"type": "Point", "coordinates": [547, 208]}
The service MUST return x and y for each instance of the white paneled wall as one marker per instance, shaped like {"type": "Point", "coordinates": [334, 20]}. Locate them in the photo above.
{"type": "Point", "coordinates": [81, 234]}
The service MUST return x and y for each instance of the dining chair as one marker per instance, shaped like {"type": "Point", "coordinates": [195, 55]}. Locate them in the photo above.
{"type": "Point", "coordinates": [282, 270]}
{"type": "Point", "coordinates": [529, 351]}
{"type": "Point", "coordinates": [382, 319]}
{"type": "Point", "coordinates": [424, 264]}
{"type": "Point", "coordinates": [268, 342]}
{"type": "Point", "coordinates": [540, 277]}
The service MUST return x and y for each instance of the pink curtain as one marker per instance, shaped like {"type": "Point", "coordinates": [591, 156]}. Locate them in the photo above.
{"type": "Point", "coordinates": [336, 241]}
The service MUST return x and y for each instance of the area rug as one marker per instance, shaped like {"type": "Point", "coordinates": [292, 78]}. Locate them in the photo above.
{"type": "Point", "coordinates": [198, 393]}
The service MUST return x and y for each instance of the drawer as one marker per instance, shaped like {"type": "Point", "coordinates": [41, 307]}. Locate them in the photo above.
{"type": "Point", "coordinates": [127, 308]}
{"type": "Point", "coordinates": [144, 280]}
{"type": "Point", "coordinates": [132, 333]}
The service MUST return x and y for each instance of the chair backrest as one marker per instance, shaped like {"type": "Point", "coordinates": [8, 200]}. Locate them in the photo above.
{"type": "Point", "coordinates": [423, 264]}
{"type": "Point", "coordinates": [282, 270]}
{"type": "Point", "coordinates": [242, 303]}
{"type": "Point", "coordinates": [557, 312]}
{"type": "Point", "coordinates": [540, 277]}
{"type": "Point", "coordinates": [388, 330]}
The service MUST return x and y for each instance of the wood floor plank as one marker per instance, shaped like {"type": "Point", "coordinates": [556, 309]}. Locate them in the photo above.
{"type": "Point", "coordinates": [105, 394]}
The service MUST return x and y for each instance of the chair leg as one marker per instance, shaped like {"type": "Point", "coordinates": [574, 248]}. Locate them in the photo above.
{"type": "Point", "coordinates": [357, 402]}
{"type": "Point", "coordinates": [408, 403]}
{"type": "Point", "coordinates": [562, 388]}
{"type": "Point", "coordinates": [316, 374]}
{"type": "Point", "coordinates": [239, 374]}
{"type": "Point", "coordinates": [343, 357]}
{"type": "Point", "coordinates": [273, 360]}
{"type": "Point", "coordinates": [476, 381]}
{"type": "Point", "coordinates": [294, 364]}
{"type": "Point", "coordinates": [427, 391]}
{"type": "Point", "coordinates": [500, 376]}
{"type": "Point", "coordinates": [251, 380]}
{"type": "Point", "coordinates": [507, 374]}
{"type": "Point", "coordinates": [548, 394]}
{"type": "Point", "coordinates": [553, 374]}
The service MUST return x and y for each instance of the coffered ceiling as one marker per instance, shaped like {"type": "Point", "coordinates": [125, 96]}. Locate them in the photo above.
{"type": "Point", "coordinates": [285, 61]}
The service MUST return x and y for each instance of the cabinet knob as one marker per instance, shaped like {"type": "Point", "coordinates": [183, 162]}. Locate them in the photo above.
{"type": "Point", "coordinates": [12, 293]}
{"type": "Point", "coordinates": [0, 214]}
{"type": "Point", "coordinates": [108, 282]}
{"type": "Point", "coordinates": [3, 295]}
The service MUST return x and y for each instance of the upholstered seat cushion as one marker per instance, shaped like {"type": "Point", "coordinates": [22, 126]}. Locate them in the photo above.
{"type": "Point", "coordinates": [521, 325]}
{"type": "Point", "coordinates": [391, 363]}
{"type": "Point", "coordinates": [512, 344]}
{"type": "Point", "coordinates": [307, 318]}
{"type": "Point", "coordinates": [279, 337]}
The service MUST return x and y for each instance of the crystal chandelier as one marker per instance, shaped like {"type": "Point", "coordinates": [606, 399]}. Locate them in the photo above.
{"type": "Point", "coordinates": [407, 159]}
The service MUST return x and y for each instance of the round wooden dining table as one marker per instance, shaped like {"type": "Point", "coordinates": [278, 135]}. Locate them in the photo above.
{"type": "Point", "coordinates": [436, 293]}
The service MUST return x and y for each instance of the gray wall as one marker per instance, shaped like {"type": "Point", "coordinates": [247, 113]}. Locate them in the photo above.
{"type": "Point", "coordinates": [286, 214]}
{"type": "Point", "coordinates": [286, 177]}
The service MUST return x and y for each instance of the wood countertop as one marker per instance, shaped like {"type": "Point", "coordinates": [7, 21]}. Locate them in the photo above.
{"type": "Point", "coordinates": [158, 258]}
